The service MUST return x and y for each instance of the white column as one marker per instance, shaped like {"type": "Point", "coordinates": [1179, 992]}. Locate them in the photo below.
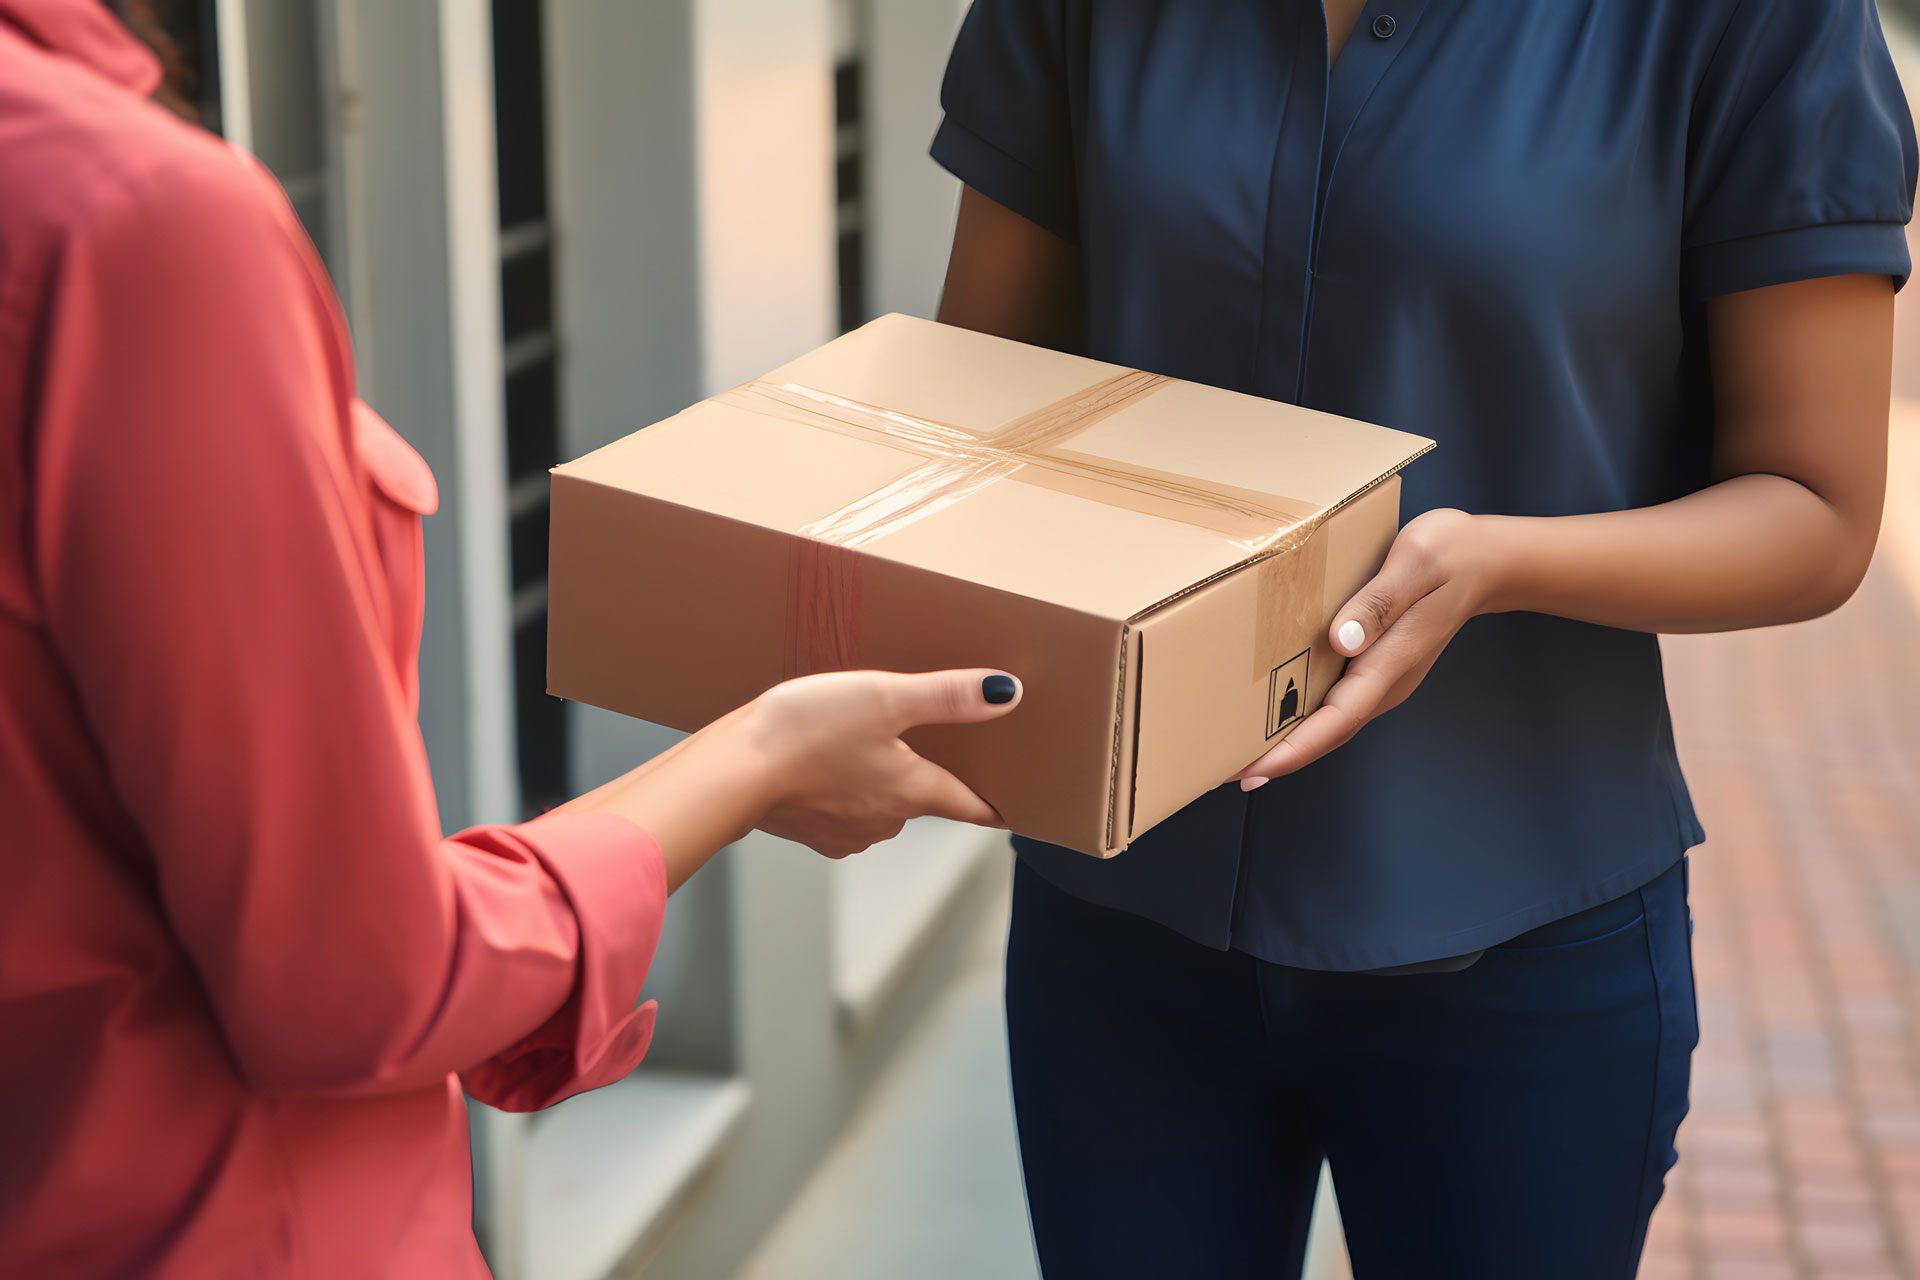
{"type": "Point", "coordinates": [763, 130]}
{"type": "Point", "coordinates": [911, 200]}
{"type": "Point", "coordinates": [236, 92]}
{"type": "Point", "coordinates": [479, 404]}
{"type": "Point", "coordinates": [622, 181]}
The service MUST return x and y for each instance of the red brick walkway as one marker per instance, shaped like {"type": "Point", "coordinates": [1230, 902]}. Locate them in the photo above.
{"type": "Point", "coordinates": [1801, 1158]}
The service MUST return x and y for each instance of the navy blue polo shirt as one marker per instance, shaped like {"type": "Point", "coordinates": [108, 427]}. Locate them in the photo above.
{"type": "Point", "coordinates": [1494, 223]}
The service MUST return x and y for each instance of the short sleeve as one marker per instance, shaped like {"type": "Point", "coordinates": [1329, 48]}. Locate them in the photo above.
{"type": "Point", "coordinates": [1008, 129]}
{"type": "Point", "coordinates": [1801, 156]}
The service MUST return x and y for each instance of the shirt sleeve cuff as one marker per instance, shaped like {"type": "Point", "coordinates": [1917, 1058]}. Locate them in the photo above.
{"type": "Point", "coordinates": [1040, 198]}
{"type": "Point", "coordinates": [1803, 253]}
{"type": "Point", "coordinates": [616, 883]}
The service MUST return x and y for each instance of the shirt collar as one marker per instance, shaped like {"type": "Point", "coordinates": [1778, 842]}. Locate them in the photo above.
{"type": "Point", "coordinates": [87, 32]}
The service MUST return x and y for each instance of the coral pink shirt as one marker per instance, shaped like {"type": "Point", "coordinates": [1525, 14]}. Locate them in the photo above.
{"type": "Point", "coordinates": [242, 976]}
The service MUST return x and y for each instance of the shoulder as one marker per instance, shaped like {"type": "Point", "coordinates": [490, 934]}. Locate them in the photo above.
{"type": "Point", "coordinates": [1722, 25]}
{"type": "Point", "coordinates": [87, 164]}
{"type": "Point", "coordinates": [1796, 58]}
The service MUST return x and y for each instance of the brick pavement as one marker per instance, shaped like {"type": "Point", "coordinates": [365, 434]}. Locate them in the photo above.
{"type": "Point", "coordinates": [1801, 1159]}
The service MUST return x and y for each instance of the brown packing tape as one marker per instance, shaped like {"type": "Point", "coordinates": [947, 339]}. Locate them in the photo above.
{"type": "Point", "coordinates": [823, 609]}
{"type": "Point", "coordinates": [824, 582]}
{"type": "Point", "coordinates": [914, 496]}
{"type": "Point", "coordinates": [1063, 419]}
{"type": "Point", "coordinates": [961, 463]}
{"type": "Point", "coordinates": [1245, 516]}
{"type": "Point", "coordinates": [1288, 601]}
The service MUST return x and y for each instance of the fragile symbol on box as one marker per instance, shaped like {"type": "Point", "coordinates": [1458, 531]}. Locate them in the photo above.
{"type": "Point", "coordinates": [1287, 693]}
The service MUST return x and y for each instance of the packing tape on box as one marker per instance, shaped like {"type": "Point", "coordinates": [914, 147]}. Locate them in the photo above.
{"type": "Point", "coordinates": [1290, 601]}
{"type": "Point", "coordinates": [823, 580]}
{"type": "Point", "coordinates": [960, 464]}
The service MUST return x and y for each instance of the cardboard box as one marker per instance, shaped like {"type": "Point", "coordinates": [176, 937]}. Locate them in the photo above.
{"type": "Point", "coordinates": [1157, 560]}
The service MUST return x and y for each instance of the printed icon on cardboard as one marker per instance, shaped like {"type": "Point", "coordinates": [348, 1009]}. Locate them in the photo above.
{"type": "Point", "coordinates": [1286, 691]}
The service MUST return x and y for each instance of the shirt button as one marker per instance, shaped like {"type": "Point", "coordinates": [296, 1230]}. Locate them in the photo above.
{"type": "Point", "coordinates": [1384, 26]}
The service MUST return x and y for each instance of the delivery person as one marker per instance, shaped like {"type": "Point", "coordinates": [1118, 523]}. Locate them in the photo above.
{"type": "Point", "coordinates": [239, 968]}
{"type": "Point", "coordinates": [1632, 265]}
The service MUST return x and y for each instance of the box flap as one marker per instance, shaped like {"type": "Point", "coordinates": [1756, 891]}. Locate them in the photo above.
{"type": "Point", "coordinates": [972, 380]}
{"type": "Point", "coordinates": [1244, 441]}
{"type": "Point", "coordinates": [747, 466]}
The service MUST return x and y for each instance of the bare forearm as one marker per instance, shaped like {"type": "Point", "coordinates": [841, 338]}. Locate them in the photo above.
{"type": "Point", "coordinates": [819, 759]}
{"type": "Point", "coordinates": [1751, 551]}
{"type": "Point", "coordinates": [1801, 374]}
{"type": "Point", "coordinates": [1010, 278]}
{"type": "Point", "coordinates": [694, 799]}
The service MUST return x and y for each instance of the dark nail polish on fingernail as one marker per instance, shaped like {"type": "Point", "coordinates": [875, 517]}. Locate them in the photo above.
{"type": "Point", "coordinates": [999, 690]}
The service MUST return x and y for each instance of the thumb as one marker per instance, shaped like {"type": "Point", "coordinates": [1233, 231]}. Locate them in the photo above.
{"type": "Point", "coordinates": [952, 697]}
{"type": "Point", "coordinates": [1376, 606]}
{"type": "Point", "coordinates": [933, 791]}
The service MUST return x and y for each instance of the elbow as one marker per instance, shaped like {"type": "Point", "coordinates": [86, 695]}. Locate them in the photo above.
{"type": "Point", "coordinates": [297, 1067]}
{"type": "Point", "coordinates": [1819, 606]}
{"type": "Point", "coordinates": [292, 1055]}
{"type": "Point", "coordinates": [1834, 587]}
{"type": "Point", "coordinates": [268, 1078]}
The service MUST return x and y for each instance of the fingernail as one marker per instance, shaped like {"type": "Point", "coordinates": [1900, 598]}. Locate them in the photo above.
{"type": "Point", "coordinates": [1352, 634]}
{"type": "Point", "coordinates": [999, 690]}
{"type": "Point", "coordinates": [1253, 784]}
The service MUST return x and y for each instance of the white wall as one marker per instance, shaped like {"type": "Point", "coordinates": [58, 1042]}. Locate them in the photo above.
{"type": "Point", "coordinates": [763, 129]}
{"type": "Point", "coordinates": [910, 208]}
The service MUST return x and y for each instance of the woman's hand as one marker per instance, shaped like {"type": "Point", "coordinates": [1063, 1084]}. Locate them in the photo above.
{"type": "Point", "coordinates": [844, 780]}
{"type": "Point", "coordinates": [1439, 573]}
{"type": "Point", "coordinates": [818, 760]}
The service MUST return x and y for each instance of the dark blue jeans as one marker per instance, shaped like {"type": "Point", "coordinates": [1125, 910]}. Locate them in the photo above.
{"type": "Point", "coordinates": [1511, 1121]}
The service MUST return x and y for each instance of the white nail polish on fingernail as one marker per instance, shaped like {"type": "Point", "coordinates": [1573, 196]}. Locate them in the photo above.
{"type": "Point", "coordinates": [1352, 634]}
{"type": "Point", "coordinates": [1253, 784]}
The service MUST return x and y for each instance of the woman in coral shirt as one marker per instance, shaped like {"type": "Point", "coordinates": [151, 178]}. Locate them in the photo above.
{"type": "Point", "coordinates": [243, 979]}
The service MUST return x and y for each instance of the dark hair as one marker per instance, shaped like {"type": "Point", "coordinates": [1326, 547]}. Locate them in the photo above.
{"type": "Point", "coordinates": [149, 20]}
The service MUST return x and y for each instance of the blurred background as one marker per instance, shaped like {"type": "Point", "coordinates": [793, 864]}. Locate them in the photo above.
{"type": "Point", "coordinates": [555, 221]}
